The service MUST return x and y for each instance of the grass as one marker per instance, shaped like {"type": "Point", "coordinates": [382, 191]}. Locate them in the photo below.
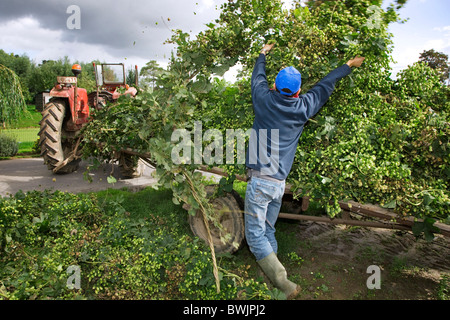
{"type": "Point", "coordinates": [25, 130]}
{"type": "Point", "coordinates": [29, 120]}
{"type": "Point", "coordinates": [140, 204]}
{"type": "Point", "coordinates": [23, 135]}
{"type": "Point", "coordinates": [26, 137]}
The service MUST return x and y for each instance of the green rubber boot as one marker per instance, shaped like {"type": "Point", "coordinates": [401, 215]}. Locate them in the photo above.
{"type": "Point", "coordinates": [275, 271]}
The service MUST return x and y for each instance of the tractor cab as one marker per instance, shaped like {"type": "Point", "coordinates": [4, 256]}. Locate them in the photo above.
{"type": "Point", "coordinates": [110, 77]}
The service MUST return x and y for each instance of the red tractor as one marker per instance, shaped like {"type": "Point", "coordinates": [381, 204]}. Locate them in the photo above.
{"type": "Point", "coordinates": [68, 111]}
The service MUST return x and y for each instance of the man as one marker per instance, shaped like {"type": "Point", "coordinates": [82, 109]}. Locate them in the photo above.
{"type": "Point", "coordinates": [280, 115]}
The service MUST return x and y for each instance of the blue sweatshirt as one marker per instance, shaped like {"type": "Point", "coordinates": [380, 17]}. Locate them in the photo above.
{"type": "Point", "coordinates": [279, 120]}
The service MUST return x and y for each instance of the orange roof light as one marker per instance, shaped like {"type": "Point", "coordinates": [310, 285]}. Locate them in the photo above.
{"type": "Point", "coordinates": [76, 70]}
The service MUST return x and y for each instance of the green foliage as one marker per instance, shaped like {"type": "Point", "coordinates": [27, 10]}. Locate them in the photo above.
{"type": "Point", "coordinates": [21, 65]}
{"type": "Point", "coordinates": [444, 288]}
{"type": "Point", "coordinates": [12, 103]}
{"type": "Point", "coordinates": [29, 119]}
{"type": "Point", "coordinates": [438, 61]}
{"type": "Point", "coordinates": [375, 141]}
{"type": "Point", "coordinates": [146, 123]}
{"type": "Point", "coordinates": [385, 144]}
{"type": "Point", "coordinates": [423, 84]}
{"type": "Point", "coordinates": [121, 254]}
{"type": "Point", "coordinates": [149, 74]}
{"type": "Point", "coordinates": [35, 78]}
{"type": "Point", "coordinates": [8, 146]}
{"type": "Point", "coordinates": [43, 77]}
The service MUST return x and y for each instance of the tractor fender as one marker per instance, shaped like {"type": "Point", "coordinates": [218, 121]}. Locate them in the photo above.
{"type": "Point", "coordinates": [80, 112]}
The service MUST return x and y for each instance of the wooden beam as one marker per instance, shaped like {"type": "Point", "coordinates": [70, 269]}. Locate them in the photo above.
{"type": "Point", "coordinates": [385, 214]}
{"type": "Point", "coordinates": [344, 221]}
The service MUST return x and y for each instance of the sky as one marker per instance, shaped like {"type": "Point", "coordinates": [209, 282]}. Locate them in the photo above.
{"type": "Point", "coordinates": [428, 27]}
{"type": "Point", "coordinates": [133, 32]}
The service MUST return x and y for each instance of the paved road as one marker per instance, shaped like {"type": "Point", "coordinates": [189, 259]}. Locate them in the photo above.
{"type": "Point", "coordinates": [32, 174]}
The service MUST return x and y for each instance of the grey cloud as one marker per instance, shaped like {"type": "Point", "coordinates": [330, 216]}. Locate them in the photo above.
{"type": "Point", "coordinates": [123, 27]}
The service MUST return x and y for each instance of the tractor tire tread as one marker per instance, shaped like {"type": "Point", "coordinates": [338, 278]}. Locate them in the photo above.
{"type": "Point", "coordinates": [51, 136]}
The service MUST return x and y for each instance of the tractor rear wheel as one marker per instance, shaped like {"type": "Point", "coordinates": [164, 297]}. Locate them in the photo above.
{"type": "Point", "coordinates": [230, 209]}
{"type": "Point", "coordinates": [57, 148]}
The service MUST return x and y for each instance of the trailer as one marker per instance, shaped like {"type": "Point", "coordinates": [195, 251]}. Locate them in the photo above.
{"type": "Point", "coordinates": [353, 214]}
{"type": "Point", "coordinates": [230, 210]}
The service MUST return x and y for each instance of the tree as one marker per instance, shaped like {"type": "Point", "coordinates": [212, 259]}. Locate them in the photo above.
{"type": "Point", "coordinates": [86, 79]}
{"type": "Point", "coordinates": [43, 77]}
{"type": "Point", "coordinates": [438, 61]}
{"type": "Point", "coordinates": [21, 65]}
{"type": "Point", "coordinates": [35, 78]}
{"type": "Point", "coordinates": [12, 102]}
{"type": "Point", "coordinates": [149, 73]}
{"type": "Point", "coordinates": [130, 76]}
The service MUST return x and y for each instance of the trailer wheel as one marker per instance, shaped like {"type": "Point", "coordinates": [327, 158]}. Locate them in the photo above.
{"type": "Point", "coordinates": [55, 147]}
{"type": "Point", "coordinates": [230, 209]}
{"type": "Point", "coordinates": [129, 166]}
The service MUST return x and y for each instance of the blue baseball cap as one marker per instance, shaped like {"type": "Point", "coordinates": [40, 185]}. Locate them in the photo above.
{"type": "Point", "coordinates": [288, 81]}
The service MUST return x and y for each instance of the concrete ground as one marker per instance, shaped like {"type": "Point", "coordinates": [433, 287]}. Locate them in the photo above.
{"type": "Point", "coordinates": [31, 174]}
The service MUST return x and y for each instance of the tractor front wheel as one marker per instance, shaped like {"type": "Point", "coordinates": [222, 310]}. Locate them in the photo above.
{"type": "Point", "coordinates": [58, 150]}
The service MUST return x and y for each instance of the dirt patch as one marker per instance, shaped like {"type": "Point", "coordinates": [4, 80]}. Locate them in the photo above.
{"type": "Point", "coordinates": [331, 262]}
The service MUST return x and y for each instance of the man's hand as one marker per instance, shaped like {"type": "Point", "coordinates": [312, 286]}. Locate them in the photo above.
{"type": "Point", "coordinates": [356, 62]}
{"type": "Point", "coordinates": [266, 49]}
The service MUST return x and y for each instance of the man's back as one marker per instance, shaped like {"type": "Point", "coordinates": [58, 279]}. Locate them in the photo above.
{"type": "Point", "coordinates": [283, 118]}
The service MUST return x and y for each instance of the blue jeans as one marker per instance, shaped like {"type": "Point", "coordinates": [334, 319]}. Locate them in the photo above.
{"type": "Point", "coordinates": [262, 205]}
